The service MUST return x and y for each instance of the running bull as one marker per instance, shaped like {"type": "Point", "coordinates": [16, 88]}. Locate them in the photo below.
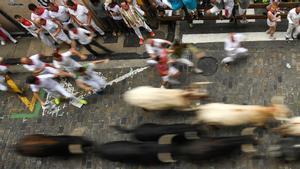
{"type": "Point", "coordinates": [234, 115]}
{"type": "Point", "coordinates": [171, 148]}
{"type": "Point", "coordinates": [151, 98]}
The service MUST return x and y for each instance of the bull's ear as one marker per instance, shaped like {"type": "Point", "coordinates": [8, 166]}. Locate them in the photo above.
{"type": "Point", "coordinates": [166, 139]}
{"type": "Point", "coordinates": [165, 157]}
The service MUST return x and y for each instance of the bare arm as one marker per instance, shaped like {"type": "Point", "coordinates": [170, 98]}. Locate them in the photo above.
{"type": "Point", "coordinates": [59, 28]}
{"type": "Point", "coordinates": [89, 19]}
{"type": "Point", "coordinates": [77, 53]}
{"type": "Point", "coordinates": [101, 61]}
{"type": "Point", "coordinates": [83, 85]}
{"type": "Point", "coordinates": [76, 20]}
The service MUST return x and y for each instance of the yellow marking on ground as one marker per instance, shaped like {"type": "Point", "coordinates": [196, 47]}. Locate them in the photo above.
{"type": "Point", "coordinates": [25, 100]}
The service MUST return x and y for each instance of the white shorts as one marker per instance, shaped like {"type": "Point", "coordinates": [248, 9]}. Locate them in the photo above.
{"type": "Point", "coordinates": [172, 71]}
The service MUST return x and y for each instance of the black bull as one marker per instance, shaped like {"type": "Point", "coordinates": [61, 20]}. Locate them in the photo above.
{"type": "Point", "coordinates": [179, 149]}
{"type": "Point", "coordinates": [152, 132]}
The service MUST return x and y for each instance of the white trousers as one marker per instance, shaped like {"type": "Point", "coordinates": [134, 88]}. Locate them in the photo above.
{"type": "Point", "coordinates": [96, 27]}
{"type": "Point", "coordinates": [58, 89]}
{"type": "Point", "coordinates": [234, 54]}
{"type": "Point", "coordinates": [290, 31]}
{"type": "Point", "coordinates": [96, 82]}
{"type": "Point", "coordinates": [138, 32]}
{"type": "Point", "coordinates": [61, 36]}
{"type": "Point", "coordinates": [47, 40]}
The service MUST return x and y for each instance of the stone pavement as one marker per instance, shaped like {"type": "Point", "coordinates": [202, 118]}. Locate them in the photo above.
{"type": "Point", "coordinates": [253, 81]}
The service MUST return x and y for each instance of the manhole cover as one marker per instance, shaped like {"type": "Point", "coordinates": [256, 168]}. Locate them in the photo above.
{"type": "Point", "coordinates": [209, 65]}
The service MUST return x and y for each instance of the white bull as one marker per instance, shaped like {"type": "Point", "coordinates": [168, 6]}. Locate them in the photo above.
{"type": "Point", "coordinates": [151, 98]}
{"type": "Point", "coordinates": [233, 115]}
{"type": "Point", "coordinates": [291, 128]}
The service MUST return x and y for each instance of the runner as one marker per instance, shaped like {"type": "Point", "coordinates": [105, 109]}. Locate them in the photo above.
{"type": "Point", "coordinates": [88, 79]}
{"type": "Point", "coordinates": [64, 61]}
{"type": "Point", "coordinates": [155, 47]}
{"type": "Point", "coordinates": [52, 87]}
{"type": "Point", "coordinates": [35, 65]}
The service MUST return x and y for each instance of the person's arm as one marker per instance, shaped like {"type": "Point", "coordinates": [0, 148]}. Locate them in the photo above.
{"type": "Point", "coordinates": [77, 53]}
{"type": "Point", "coordinates": [89, 19]}
{"type": "Point", "coordinates": [82, 85]}
{"type": "Point", "coordinates": [76, 20]}
{"type": "Point", "coordinates": [59, 28]}
{"type": "Point", "coordinates": [37, 96]}
{"type": "Point", "coordinates": [101, 61]}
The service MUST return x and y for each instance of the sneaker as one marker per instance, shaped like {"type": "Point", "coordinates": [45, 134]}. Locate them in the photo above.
{"type": "Point", "coordinates": [141, 41]}
{"type": "Point", "coordinates": [152, 34]}
{"type": "Point", "coordinates": [172, 81]}
{"type": "Point", "coordinates": [15, 41]}
{"type": "Point", "coordinates": [3, 43]}
{"type": "Point", "coordinates": [82, 101]}
{"type": "Point", "coordinates": [162, 87]}
{"type": "Point", "coordinates": [57, 101]}
{"type": "Point", "coordinates": [114, 34]}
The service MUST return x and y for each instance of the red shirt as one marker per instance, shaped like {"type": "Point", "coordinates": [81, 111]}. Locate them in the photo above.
{"type": "Point", "coordinates": [25, 22]}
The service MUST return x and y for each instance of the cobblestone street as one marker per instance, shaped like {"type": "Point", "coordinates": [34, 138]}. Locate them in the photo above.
{"type": "Point", "coordinates": [254, 80]}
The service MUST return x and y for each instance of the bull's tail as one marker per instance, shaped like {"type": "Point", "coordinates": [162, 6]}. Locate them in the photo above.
{"type": "Point", "coordinates": [121, 129]}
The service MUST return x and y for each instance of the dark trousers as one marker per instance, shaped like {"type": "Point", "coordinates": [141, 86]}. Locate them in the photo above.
{"type": "Point", "coordinates": [121, 26]}
{"type": "Point", "coordinates": [95, 43]}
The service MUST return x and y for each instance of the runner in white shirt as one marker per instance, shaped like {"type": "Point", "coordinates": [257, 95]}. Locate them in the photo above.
{"type": "Point", "coordinates": [82, 16]}
{"type": "Point", "coordinates": [59, 13]}
{"type": "Point", "coordinates": [55, 30]}
{"type": "Point", "coordinates": [65, 62]}
{"type": "Point", "coordinates": [294, 22]}
{"type": "Point", "coordinates": [32, 29]}
{"type": "Point", "coordinates": [85, 38]}
{"type": "Point", "coordinates": [3, 71]}
{"type": "Point", "coordinates": [154, 47]}
{"type": "Point", "coordinates": [35, 65]}
{"type": "Point", "coordinates": [233, 48]}
{"type": "Point", "coordinates": [88, 79]}
{"type": "Point", "coordinates": [38, 12]}
{"type": "Point", "coordinates": [52, 87]}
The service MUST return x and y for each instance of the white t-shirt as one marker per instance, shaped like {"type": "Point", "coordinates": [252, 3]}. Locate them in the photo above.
{"type": "Point", "coordinates": [81, 36]}
{"type": "Point", "coordinates": [45, 15]}
{"type": "Point", "coordinates": [3, 69]}
{"type": "Point", "coordinates": [46, 82]}
{"type": "Point", "coordinates": [89, 73]}
{"type": "Point", "coordinates": [62, 14]}
{"type": "Point", "coordinates": [293, 17]}
{"type": "Point", "coordinates": [156, 48]}
{"type": "Point", "coordinates": [80, 13]}
{"type": "Point", "coordinates": [67, 62]}
{"type": "Point", "coordinates": [36, 63]}
{"type": "Point", "coordinates": [229, 45]}
{"type": "Point", "coordinates": [115, 12]}
{"type": "Point", "coordinates": [50, 26]}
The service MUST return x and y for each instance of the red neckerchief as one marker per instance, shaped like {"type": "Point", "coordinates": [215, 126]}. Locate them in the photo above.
{"type": "Point", "coordinates": [41, 10]}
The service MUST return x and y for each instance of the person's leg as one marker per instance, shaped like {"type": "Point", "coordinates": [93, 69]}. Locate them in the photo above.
{"type": "Point", "coordinates": [95, 43]}
{"type": "Point", "coordinates": [101, 82]}
{"type": "Point", "coordinates": [99, 30]}
{"type": "Point", "coordinates": [89, 48]}
{"type": "Point", "coordinates": [47, 40]}
{"type": "Point", "coordinates": [8, 35]}
{"type": "Point", "coordinates": [289, 31]}
{"type": "Point", "coordinates": [63, 37]}
{"type": "Point", "coordinates": [138, 32]}
{"type": "Point", "coordinates": [185, 61]}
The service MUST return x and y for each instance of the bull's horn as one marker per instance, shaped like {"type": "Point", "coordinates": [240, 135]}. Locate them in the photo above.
{"type": "Point", "coordinates": [75, 149]}
{"type": "Point", "coordinates": [166, 139]}
{"type": "Point", "coordinates": [248, 131]}
{"type": "Point", "coordinates": [248, 148]}
{"type": "Point", "coordinates": [165, 157]}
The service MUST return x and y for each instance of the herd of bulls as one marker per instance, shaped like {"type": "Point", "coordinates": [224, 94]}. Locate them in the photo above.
{"type": "Point", "coordinates": [157, 143]}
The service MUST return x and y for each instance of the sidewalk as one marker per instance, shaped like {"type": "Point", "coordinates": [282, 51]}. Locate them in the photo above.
{"type": "Point", "coordinates": [28, 46]}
